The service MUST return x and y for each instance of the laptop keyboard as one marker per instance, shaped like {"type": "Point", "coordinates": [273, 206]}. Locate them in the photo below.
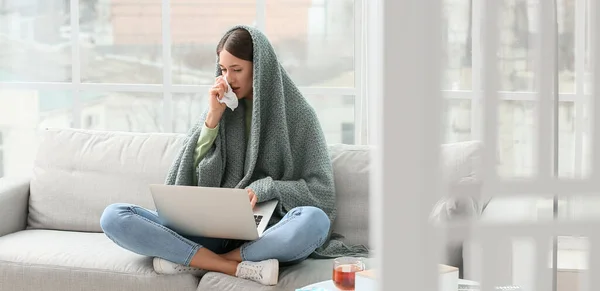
{"type": "Point", "coordinates": [257, 219]}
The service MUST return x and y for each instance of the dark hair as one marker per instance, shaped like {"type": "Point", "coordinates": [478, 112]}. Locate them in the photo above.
{"type": "Point", "coordinates": [237, 42]}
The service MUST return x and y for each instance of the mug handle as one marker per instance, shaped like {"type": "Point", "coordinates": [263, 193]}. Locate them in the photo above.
{"type": "Point", "coordinates": [363, 266]}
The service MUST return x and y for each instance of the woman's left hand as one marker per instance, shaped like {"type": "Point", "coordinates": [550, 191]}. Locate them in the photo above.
{"type": "Point", "coordinates": [252, 197]}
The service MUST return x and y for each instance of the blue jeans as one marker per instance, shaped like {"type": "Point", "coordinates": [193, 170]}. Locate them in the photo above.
{"type": "Point", "coordinates": [142, 231]}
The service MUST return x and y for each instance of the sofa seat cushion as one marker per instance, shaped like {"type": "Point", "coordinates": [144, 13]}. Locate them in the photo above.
{"type": "Point", "coordinates": [291, 278]}
{"type": "Point", "coordinates": [60, 260]}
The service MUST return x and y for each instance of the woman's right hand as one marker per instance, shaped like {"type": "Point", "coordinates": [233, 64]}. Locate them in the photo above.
{"type": "Point", "coordinates": [215, 108]}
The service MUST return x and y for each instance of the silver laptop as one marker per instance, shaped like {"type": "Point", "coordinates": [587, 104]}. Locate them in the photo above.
{"type": "Point", "coordinates": [211, 212]}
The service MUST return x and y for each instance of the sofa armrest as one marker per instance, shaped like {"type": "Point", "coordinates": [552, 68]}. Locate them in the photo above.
{"type": "Point", "coordinates": [14, 198]}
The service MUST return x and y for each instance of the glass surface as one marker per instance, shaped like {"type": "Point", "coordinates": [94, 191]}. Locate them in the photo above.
{"type": "Point", "coordinates": [336, 114]}
{"type": "Point", "coordinates": [196, 28]}
{"type": "Point", "coordinates": [122, 111]}
{"type": "Point", "coordinates": [187, 109]}
{"type": "Point", "coordinates": [120, 41]}
{"type": "Point", "coordinates": [35, 42]}
{"type": "Point", "coordinates": [314, 40]}
{"type": "Point", "coordinates": [517, 131]}
{"type": "Point", "coordinates": [458, 120]}
{"type": "Point", "coordinates": [457, 32]}
{"type": "Point", "coordinates": [516, 45]}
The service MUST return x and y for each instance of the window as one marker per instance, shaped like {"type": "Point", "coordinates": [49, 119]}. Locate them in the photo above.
{"type": "Point", "coordinates": [348, 133]}
{"type": "Point", "coordinates": [518, 25]}
{"type": "Point", "coordinates": [135, 70]}
{"type": "Point", "coordinates": [517, 58]}
{"type": "Point", "coordinates": [349, 100]}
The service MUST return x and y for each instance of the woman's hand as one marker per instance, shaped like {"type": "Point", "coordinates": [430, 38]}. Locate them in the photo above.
{"type": "Point", "coordinates": [215, 108]}
{"type": "Point", "coordinates": [252, 197]}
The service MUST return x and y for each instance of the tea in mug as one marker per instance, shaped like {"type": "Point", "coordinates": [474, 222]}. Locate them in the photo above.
{"type": "Point", "coordinates": [344, 276]}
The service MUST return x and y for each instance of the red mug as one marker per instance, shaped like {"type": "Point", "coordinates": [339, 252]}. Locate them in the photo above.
{"type": "Point", "coordinates": [344, 272]}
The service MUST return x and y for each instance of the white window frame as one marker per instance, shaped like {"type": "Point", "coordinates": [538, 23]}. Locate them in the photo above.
{"type": "Point", "coordinates": [168, 88]}
{"type": "Point", "coordinates": [579, 98]}
{"type": "Point", "coordinates": [406, 156]}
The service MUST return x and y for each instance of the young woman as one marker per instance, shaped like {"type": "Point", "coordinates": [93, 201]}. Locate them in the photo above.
{"type": "Point", "coordinates": [272, 145]}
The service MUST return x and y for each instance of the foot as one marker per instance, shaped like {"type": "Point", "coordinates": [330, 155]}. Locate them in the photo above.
{"type": "Point", "coordinates": [163, 266]}
{"type": "Point", "coordinates": [264, 272]}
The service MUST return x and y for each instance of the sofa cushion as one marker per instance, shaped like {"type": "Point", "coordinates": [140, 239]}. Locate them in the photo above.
{"type": "Point", "coordinates": [461, 163]}
{"type": "Point", "coordinates": [291, 278]}
{"type": "Point", "coordinates": [351, 174]}
{"type": "Point", "coordinates": [60, 260]}
{"type": "Point", "coordinates": [77, 173]}
{"type": "Point", "coordinates": [461, 171]}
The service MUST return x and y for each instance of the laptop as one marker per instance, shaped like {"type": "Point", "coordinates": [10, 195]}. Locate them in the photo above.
{"type": "Point", "coordinates": [211, 212]}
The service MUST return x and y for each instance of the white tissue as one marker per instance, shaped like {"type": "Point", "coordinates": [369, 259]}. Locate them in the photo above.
{"type": "Point", "coordinates": [230, 99]}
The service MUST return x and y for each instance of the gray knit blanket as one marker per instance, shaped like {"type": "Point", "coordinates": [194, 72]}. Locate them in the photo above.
{"type": "Point", "coordinates": [286, 157]}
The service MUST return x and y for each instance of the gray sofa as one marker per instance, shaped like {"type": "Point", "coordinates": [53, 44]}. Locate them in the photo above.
{"type": "Point", "coordinates": [50, 237]}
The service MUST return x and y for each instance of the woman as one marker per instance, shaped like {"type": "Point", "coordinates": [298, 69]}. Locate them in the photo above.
{"type": "Point", "coordinates": [272, 145]}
